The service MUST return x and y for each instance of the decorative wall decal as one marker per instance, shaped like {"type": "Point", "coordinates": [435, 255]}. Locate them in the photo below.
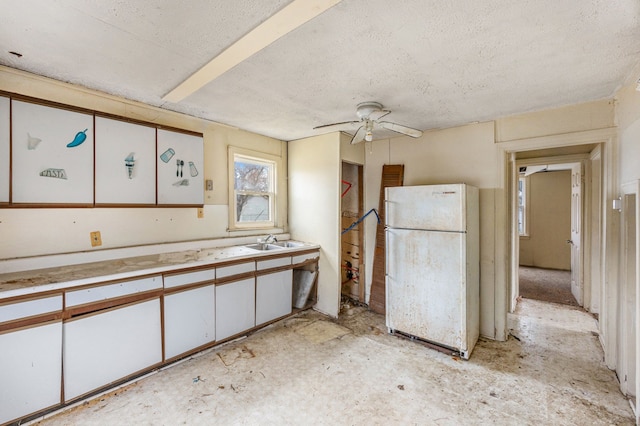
{"type": "Point", "coordinates": [129, 162]}
{"type": "Point", "coordinates": [192, 169]}
{"type": "Point", "coordinates": [182, 182]}
{"type": "Point", "coordinates": [54, 173]}
{"type": "Point", "coordinates": [32, 143]}
{"type": "Point", "coordinates": [166, 156]}
{"type": "Point", "coordinates": [177, 168]}
{"type": "Point", "coordinates": [78, 139]}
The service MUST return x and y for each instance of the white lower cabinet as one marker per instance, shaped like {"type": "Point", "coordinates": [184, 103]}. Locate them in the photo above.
{"type": "Point", "coordinates": [235, 307]}
{"type": "Point", "coordinates": [189, 320]}
{"type": "Point", "coordinates": [30, 370]}
{"type": "Point", "coordinates": [101, 348]}
{"type": "Point", "coordinates": [273, 296]}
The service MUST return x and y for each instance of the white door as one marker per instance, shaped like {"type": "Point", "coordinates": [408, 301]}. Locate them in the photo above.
{"type": "Point", "coordinates": [425, 285]}
{"type": "Point", "coordinates": [576, 232]}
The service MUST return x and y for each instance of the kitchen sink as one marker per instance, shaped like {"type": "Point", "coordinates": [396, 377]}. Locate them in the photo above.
{"type": "Point", "coordinates": [263, 246]}
{"type": "Point", "coordinates": [288, 244]}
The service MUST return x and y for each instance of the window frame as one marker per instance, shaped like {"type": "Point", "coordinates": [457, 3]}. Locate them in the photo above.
{"type": "Point", "coordinates": [273, 162]}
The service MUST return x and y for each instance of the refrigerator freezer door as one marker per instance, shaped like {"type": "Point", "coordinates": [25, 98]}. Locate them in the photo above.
{"type": "Point", "coordinates": [431, 207]}
{"type": "Point", "coordinates": [425, 287]}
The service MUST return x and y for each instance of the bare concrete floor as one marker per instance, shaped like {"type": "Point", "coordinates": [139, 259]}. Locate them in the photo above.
{"type": "Point", "coordinates": [312, 370]}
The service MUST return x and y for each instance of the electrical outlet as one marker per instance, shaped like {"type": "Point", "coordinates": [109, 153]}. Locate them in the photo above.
{"type": "Point", "coordinates": [96, 239]}
{"type": "Point", "coordinates": [200, 212]}
{"type": "Point", "coordinates": [209, 184]}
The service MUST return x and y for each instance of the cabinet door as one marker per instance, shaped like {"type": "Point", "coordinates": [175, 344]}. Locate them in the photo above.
{"type": "Point", "coordinates": [102, 348]}
{"type": "Point", "coordinates": [30, 370]}
{"type": "Point", "coordinates": [235, 308]}
{"type": "Point", "coordinates": [273, 296]}
{"type": "Point", "coordinates": [180, 168]}
{"type": "Point", "coordinates": [189, 320]}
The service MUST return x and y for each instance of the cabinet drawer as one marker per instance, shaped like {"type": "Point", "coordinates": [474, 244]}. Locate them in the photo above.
{"type": "Point", "coordinates": [189, 278]}
{"type": "Point", "coordinates": [304, 257]}
{"type": "Point", "coordinates": [29, 308]}
{"type": "Point", "coordinates": [237, 269]}
{"type": "Point", "coordinates": [110, 291]}
{"type": "Point", "coordinates": [273, 263]}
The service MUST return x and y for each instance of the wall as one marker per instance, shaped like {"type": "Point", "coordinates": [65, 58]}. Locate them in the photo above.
{"type": "Point", "coordinates": [42, 231]}
{"type": "Point", "coordinates": [549, 221]}
{"type": "Point", "coordinates": [626, 303]}
{"type": "Point", "coordinates": [314, 209]}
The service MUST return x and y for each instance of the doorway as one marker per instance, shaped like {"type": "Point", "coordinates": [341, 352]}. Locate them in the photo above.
{"type": "Point", "coordinates": [351, 241]}
{"type": "Point", "coordinates": [565, 176]}
{"type": "Point", "coordinates": [550, 212]}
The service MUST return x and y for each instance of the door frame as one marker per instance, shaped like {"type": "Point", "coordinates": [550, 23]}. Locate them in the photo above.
{"type": "Point", "coordinates": [608, 249]}
{"type": "Point", "coordinates": [584, 213]}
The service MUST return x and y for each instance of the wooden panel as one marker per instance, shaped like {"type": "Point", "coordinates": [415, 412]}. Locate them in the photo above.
{"type": "Point", "coordinates": [102, 348]}
{"type": "Point", "coordinates": [94, 294]}
{"type": "Point", "coordinates": [120, 181]}
{"type": "Point", "coordinates": [30, 370]}
{"type": "Point", "coordinates": [189, 320]}
{"type": "Point", "coordinates": [273, 296]}
{"type": "Point", "coordinates": [50, 164]}
{"type": "Point", "coordinates": [392, 175]}
{"type": "Point", "coordinates": [189, 278]}
{"type": "Point", "coordinates": [235, 307]}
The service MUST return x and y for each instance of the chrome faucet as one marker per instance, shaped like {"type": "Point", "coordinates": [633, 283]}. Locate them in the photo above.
{"type": "Point", "coordinates": [270, 239]}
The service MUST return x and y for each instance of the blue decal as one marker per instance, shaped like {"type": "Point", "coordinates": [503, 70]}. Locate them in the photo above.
{"type": "Point", "coordinates": [80, 137]}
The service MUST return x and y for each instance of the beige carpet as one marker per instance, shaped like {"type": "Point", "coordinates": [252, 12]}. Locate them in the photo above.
{"type": "Point", "coordinates": [547, 285]}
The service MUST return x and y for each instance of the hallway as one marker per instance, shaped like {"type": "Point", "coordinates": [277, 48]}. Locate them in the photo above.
{"type": "Point", "coordinates": [310, 369]}
{"type": "Point", "coordinates": [547, 285]}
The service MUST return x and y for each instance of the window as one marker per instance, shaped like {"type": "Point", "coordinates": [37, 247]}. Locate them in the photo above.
{"type": "Point", "coordinates": [253, 195]}
{"type": "Point", "coordinates": [523, 196]}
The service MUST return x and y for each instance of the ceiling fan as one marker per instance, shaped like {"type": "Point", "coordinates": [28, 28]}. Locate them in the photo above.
{"type": "Point", "coordinates": [370, 114]}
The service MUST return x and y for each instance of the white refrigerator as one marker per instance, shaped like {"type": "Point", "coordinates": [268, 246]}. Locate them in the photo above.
{"type": "Point", "coordinates": [433, 264]}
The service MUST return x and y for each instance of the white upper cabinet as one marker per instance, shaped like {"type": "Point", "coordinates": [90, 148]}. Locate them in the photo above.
{"type": "Point", "coordinates": [180, 168]}
{"type": "Point", "coordinates": [125, 162]}
{"type": "Point", "coordinates": [52, 155]}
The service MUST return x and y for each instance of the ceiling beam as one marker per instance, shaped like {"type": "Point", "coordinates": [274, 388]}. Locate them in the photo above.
{"type": "Point", "coordinates": [283, 22]}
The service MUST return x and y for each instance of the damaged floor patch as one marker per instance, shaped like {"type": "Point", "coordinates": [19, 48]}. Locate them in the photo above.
{"type": "Point", "coordinates": [322, 331]}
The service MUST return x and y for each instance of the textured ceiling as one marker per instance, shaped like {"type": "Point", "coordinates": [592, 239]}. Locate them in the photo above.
{"type": "Point", "coordinates": [434, 64]}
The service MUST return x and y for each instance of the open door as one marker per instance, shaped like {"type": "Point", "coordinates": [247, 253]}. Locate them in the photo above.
{"type": "Point", "coordinates": [576, 232]}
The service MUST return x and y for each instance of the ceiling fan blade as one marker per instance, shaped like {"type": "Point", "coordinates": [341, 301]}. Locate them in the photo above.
{"type": "Point", "coordinates": [377, 115]}
{"type": "Point", "coordinates": [359, 136]}
{"type": "Point", "coordinates": [342, 123]}
{"type": "Point", "coordinates": [414, 133]}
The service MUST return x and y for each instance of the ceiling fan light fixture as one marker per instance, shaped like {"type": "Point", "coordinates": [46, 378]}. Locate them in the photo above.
{"type": "Point", "coordinates": [368, 136]}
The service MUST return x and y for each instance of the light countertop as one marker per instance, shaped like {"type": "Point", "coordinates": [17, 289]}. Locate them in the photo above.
{"type": "Point", "coordinates": [39, 280]}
